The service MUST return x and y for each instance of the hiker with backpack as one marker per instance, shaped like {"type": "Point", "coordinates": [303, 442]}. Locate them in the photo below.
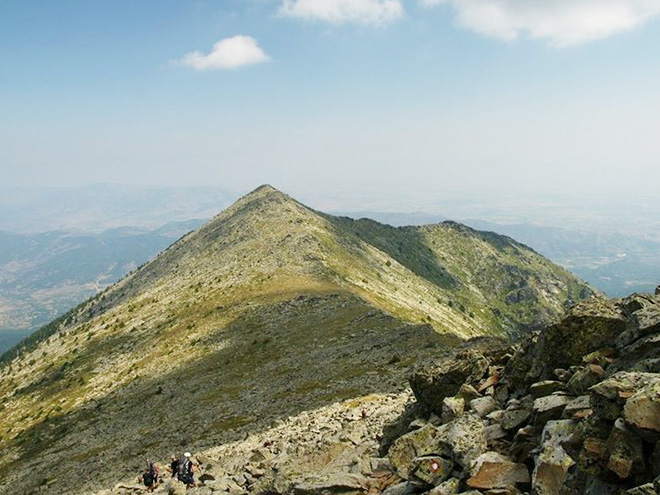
{"type": "Point", "coordinates": [150, 476]}
{"type": "Point", "coordinates": [186, 470]}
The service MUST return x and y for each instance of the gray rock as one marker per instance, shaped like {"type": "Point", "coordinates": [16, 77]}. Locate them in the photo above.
{"type": "Point", "coordinates": [404, 488]}
{"type": "Point", "coordinates": [549, 407]}
{"type": "Point", "coordinates": [432, 384]}
{"type": "Point", "coordinates": [495, 432]}
{"type": "Point", "coordinates": [626, 454]}
{"type": "Point", "coordinates": [585, 378]}
{"type": "Point", "coordinates": [590, 325]}
{"type": "Point", "coordinates": [642, 410]}
{"type": "Point", "coordinates": [333, 483]}
{"type": "Point", "coordinates": [452, 407]}
{"type": "Point", "coordinates": [465, 437]}
{"type": "Point", "coordinates": [546, 387]}
{"type": "Point", "coordinates": [581, 403]}
{"type": "Point", "coordinates": [483, 406]}
{"type": "Point", "coordinates": [642, 322]}
{"type": "Point", "coordinates": [426, 441]}
{"type": "Point", "coordinates": [515, 418]}
{"type": "Point", "coordinates": [449, 487]}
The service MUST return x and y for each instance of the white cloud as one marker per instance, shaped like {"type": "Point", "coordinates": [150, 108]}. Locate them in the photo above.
{"type": "Point", "coordinates": [559, 22]}
{"type": "Point", "coordinates": [229, 53]}
{"type": "Point", "coordinates": [374, 12]}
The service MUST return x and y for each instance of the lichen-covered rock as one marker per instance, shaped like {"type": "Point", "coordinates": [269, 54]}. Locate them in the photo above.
{"type": "Point", "coordinates": [449, 487]}
{"type": "Point", "coordinates": [588, 326]}
{"type": "Point", "coordinates": [549, 407]}
{"type": "Point", "coordinates": [345, 483]}
{"type": "Point", "coordinates": [609, 396]}
{"type": "Point", "coordinates": [585, 378]}
{"type": "Point", "coordinates": [423, 442]}
{"type": "Point", "coordinates": [553, 462]}
{"type": "Point", "coordinates": [626, 453]}
{"type": "Point", "coordinates": [493, 470]}
{"type": "Point", "coordinates": [433, 469]}
{"type": "Point", "coordinates": [466, 366]}
{"type": "Point", "coordinates": [546, 387]}
{"type": "Point", "coordinates": [642, 410]}
{"type": "Point", "coordinates": [643, 322]}
{"type": "Point", "coordinates": [452, 407]}
{"type": "Point", "coordinates": [512, 419]}
{"type": "Point", "coordinates": [465, 437]}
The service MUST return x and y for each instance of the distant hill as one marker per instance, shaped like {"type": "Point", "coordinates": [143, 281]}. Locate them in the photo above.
{"type": "Point", "coordinates": [269, 309]}
{"type": "Point", "coordinates": [44, 275]}
{"type": "Point", "coordinates": [617, 264]}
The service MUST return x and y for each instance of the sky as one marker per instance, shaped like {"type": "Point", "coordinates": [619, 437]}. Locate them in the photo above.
{"type": "Point", "coordinates": [390, 98]}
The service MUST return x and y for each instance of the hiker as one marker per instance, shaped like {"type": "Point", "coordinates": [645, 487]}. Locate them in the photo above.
{"type": "Point", "coordinates": [174, 466]}
{"type": "Point", "coordinates": [186, 471]}
{"type": "Point", "coordinates": [150, 476]}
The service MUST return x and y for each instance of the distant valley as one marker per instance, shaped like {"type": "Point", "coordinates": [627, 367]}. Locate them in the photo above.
{"type": "Point", "coordinates": [43, 275]}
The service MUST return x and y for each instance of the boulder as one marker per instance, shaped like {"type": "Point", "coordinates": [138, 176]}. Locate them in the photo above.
{"type": "Point", "coordinates": [449, 487]}
{"type": "Point", "coordinates": [327, 484]}
{"type": "Point", "coordinates": [432, 384]}
{"type": "Point", "coordinates": [549, 407]}
{"type": "Point", "coordinates": [512, 419]}
{"type": "Point", "coordinates": [493, 470]}
{"type": "Point", "coordinates": [590, 325]}
{"type": "Point", "coordinates": [641, 323]}
{"type": "Point", "coordinates": [465, 437]}
{"type": "Point", "coordinates": [403, 488]}
{"type": "Point", "coordinates": [609, 396]}
{"type": "Point", "coordinates": [433, 469]}
{"type": "Point", "coordinates": [546, 387]}
{"type": "Point", "coordinates": [577, 405]}
{"type": "Point", "coordinates": [419, 443]}
{"type": "Point", "coordinates": [553, 462]}
{"type": "Point", "coordinates": [626, 453]}
{"type": "Point", "coordinates": [495, 432]}
{"type": "Point", "coordinates": [483, 406]}
{"type": "Point", "coordinates": [642, 410]}
{"type": "Point", "coordinates": [585, 378]}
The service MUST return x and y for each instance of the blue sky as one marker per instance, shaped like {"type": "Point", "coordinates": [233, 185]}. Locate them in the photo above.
{"type": "Point", "coordinates": [385, 95]}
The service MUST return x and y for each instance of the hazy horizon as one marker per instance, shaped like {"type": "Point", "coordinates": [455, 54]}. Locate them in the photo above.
{"type": "Point", "coordinates": [322, 98]}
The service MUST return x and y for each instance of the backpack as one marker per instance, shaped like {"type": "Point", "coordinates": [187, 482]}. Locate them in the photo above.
{"type": "Point", "coordinates": [148, 479]}
{"type": "Point", "coordinates": [183, 469]}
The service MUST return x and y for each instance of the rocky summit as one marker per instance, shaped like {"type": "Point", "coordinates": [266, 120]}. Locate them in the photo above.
{"type": "Point", "coordinates": [275, 341]}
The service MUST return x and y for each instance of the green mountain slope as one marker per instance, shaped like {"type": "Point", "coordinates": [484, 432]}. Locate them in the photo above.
{"type": "Point", "coordinates": [268, 310]}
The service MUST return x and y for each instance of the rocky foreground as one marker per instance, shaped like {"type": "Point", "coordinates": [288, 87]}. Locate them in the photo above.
{"type": "Point", "coordinates": [574, 409]}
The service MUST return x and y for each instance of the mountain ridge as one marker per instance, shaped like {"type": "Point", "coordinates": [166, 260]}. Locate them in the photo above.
{"type": "Point", "coordinates": [267, 310]}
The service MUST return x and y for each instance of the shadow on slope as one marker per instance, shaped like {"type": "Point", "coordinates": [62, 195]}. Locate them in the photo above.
{"type": "Point", "coordinates": [404, 244]}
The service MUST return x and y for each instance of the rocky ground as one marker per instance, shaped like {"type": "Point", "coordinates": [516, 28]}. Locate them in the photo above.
{"type": "Point", "coordinates": [574, 409]}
